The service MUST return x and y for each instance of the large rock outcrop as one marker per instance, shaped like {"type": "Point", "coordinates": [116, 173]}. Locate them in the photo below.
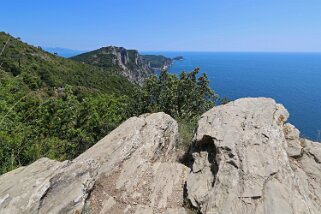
{"type": "Point", "coordinates": [132, 170]}
{"type": "Point", "coordinates": [244, 159]}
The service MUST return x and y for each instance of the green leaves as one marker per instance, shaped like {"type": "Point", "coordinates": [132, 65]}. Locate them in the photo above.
{"type": "Point", "coordinates": [40, 69]}
{"type": "Point", "coordinates": [184, 97]}
{"type": "Point", "coordinates": [59, 127]}
{"type": "Point", "coordinates": [40, 115]}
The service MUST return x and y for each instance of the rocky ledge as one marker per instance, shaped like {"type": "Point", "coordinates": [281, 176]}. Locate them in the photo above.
{"type": "Point", "coordinates": [244, 158]}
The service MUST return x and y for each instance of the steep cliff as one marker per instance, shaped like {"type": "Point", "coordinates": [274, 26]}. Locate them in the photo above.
{"type": "Point", "coordinates": [244, 158]}
{"type": "Point", "coordinates": [129, 62]}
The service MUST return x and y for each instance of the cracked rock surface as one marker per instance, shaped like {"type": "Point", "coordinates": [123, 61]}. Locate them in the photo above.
{"type": "Point", "coordinates": [244, 159]}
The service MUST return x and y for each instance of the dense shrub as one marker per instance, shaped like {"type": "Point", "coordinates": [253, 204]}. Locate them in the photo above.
{"type": "Point", "coordinates": [59, 127]}
{"type": "Point", "coordinates": [54, 107]}
{"type": "Point", "coordinates": [183, 97]}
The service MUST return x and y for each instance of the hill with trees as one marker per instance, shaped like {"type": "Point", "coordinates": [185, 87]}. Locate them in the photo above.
{"type": "Point", "coordinates": [54, 107]}
{"type": "Point", "coordinates": [57, 108]}
{"type": "Point", "coordinates": [158, 62]}
{"type": "Point", "coordinates": [128, 63]}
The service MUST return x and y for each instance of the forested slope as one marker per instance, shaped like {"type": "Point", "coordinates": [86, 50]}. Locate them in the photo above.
{"type": "Point", "coordinates": [53, 107]}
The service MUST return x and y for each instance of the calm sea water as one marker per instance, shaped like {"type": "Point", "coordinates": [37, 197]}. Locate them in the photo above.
{"type": "Point", "coordinates": [293, 79]}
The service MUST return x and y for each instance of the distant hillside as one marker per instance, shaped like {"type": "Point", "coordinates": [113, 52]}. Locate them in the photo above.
{"type": "Point", "coordinates": [132, 65]}
{"type": "Point", "coordinates": [157, 62]}
{"type": "Point", "coordinates": [54, 107]}
{"type": "Point", "coordinates": [129, 62]}
{"type": "Point", "coordinates": [178, 58]}
{"type": "Point", "coordinates": [40, 69]}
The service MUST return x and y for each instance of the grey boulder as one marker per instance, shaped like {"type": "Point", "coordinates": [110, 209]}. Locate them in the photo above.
{"type": "Point", "coordinates": [245, 159]}
{"type": "Point", "coordinates": [132, 170]}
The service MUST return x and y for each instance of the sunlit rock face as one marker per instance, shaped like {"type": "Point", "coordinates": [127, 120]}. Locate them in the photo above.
{"type": "Point", "coordinates": [246, 159]}
{"type": "Point", "coordinates": [133, 169]}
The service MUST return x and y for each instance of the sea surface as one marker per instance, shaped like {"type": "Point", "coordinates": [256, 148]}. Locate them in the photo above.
{"type": "Point", "coordinates": [293, 79]}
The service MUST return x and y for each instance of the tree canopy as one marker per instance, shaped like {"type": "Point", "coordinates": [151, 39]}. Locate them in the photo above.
{"type": "Point", "coordinates": [184, 96]}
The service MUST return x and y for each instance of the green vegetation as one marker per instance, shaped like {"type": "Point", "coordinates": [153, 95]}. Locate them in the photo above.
{"type": "Point", "coordinates": [54, 107]}
{"type": "Point", "coordinates": [106, 58]}
{"type": "Point", "coordinates": [116, 57]}
{"type": "Point", "coordinates": [185, 98]}
{"type": "Point", "coordinates": [41, 69]}
{"type": "Point", "coordinates": [57, 108]}
{"type": "Point", "coordinates": [156, 61]}
{"type": "Point", "coordinates": [59, 127]}
{"type": "Point", "coordinates": [102, 58]}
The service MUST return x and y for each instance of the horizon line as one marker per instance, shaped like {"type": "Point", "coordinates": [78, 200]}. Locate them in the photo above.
{"type": "Point", "coordinates": [194, 51]}
{"type": "Point", "coordinates": [236, 51]}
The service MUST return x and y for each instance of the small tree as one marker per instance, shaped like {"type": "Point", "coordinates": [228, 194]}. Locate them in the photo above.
{"type": "Point", "coordinates": [184, 97]}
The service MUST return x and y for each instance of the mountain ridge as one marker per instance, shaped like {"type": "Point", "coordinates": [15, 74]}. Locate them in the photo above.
{"type": "Point", "coordinates": [48, 70]}
{"type": "Point", "coordinates": [134, 66]}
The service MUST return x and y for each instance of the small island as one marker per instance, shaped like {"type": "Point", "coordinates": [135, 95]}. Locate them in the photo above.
{"type": "Point", "coordinates": [178, 58]}
{"type": "Point", "coordinates": [160, 62]}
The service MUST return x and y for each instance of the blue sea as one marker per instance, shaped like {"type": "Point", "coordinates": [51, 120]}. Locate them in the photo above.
{"type": "Point", "coordinates": [293, 79]}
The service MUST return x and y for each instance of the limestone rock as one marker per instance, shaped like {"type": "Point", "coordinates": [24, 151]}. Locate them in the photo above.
{"type": "Point", "coordinates": [22, 190]}
{"type": "Point", "coordinates": [130, 170]}
{"type": "Point", "coordinates": [246, 160]}
{"type": "Point", "coordinates": [292, 136]}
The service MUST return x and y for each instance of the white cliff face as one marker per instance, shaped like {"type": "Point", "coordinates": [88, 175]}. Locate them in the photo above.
{"type": "Point", "coordinates": [131, 63]}
{"type": "Point", "coordinates": [244, 158]}
{"type": "Point", "coordinates": [120, 56]}
{"type": "Point", "coordinates": [128, 63]}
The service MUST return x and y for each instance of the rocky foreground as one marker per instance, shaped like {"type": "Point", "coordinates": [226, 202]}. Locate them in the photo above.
{"type": "Point", "coordinates": [244, 158]}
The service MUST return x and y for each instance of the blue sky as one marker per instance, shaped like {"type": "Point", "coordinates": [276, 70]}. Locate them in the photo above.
{"type": "Point", "coordinates": [165, 25]}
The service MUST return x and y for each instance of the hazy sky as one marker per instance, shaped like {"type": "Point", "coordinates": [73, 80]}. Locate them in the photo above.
{"type": "Point", "coordinates": [190, 25]}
